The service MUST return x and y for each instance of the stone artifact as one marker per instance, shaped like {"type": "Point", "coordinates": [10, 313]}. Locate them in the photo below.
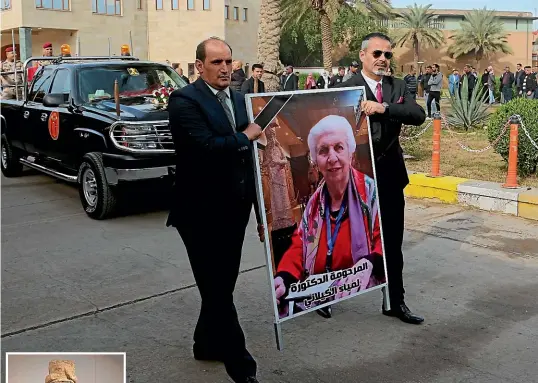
{"type": "Point", "coordinates": [61, 371]}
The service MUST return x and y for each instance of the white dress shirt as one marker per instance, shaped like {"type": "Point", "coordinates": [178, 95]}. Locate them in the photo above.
{"type": "Point", "coordinates": [372, 84]}
{"type": "Point", "coordinates": [228, 99]}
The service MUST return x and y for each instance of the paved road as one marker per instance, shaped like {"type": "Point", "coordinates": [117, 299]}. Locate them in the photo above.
{"type": "Point", "coordinates": [73, 284]}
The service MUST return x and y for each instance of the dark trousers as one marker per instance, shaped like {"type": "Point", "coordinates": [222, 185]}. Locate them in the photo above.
{"type": "Point", "coordinates": [215, 253]}
{"type": "Point", "coordinates": [433, 95]}
{"type": "Point", "coordinates": [392, 206]}
{"type": "Point", "coordinates": [507, 93]}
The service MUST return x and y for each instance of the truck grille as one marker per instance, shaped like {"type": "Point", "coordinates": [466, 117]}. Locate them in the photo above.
{"type": "Point", "coordinates": [142, 137]}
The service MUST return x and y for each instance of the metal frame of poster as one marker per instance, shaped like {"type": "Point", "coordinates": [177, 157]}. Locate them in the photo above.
{"type": "Point", "coordinates": [361, 265]}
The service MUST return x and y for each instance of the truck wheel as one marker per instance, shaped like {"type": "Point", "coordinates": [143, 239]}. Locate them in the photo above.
{"type": "Point", "coordinates": [97, 197]}
{"type": "Point", "coordinates": [11, 166]}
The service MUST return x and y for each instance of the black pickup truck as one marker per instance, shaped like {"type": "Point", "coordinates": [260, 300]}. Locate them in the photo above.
{"type": "Point", "coordinates": [96, 121]}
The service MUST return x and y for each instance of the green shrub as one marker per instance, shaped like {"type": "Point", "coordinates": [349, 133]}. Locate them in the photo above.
{"type": "Point", "coordinates": [527, 154]}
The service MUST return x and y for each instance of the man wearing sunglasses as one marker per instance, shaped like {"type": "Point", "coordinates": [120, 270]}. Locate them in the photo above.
{"type": "Point", "coordinates": [389, 105]}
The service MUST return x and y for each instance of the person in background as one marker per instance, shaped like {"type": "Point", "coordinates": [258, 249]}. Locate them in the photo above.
{"type": "Point", "coordinates": [211, 130]}
{"type": "Point", "coordinates": [353, 70]}
{"type": "Point", "coordinates": [506, 83]}
{"type": "Point", "coordinates": [11, 83]}
{"type": "Point", "coordinates": [238, 75]}
{"type": "Point", "coordinates": [535, 72]}
{"type": "Point", "coordinates": [291, 80]}
{"type": "Point", "coordinates": [411, 82]}
{"type": "Point", "coordinates": [453, 82]}
{"type": "Point", "coordinates": [310, 82]}
{"type": "Point", "coordinates": [484, 81]}
{"type": "Point", "coordinates": [520, 73]}
{"type": "Point", "coordinates": [528, 84]}
{"type": "Point", "coordinates": [389, 105]}
{"type": "Point", "coordinates": [424, 82]}
{"type": "Point", "coordinates": [491, 85]}
{"type": "Point", "coordinates": [471, 80]}
{"type": "Point", "coordinates": [47, 52]}
{"type": "Point", "coordinates": [435, 84]}
{"type": "Point", "coordinates": [323, 80]}
{"type": "Point", "coordinates": [254, 84]}
{"type": "Point", "coordinates": [337, 78]}
{"type": "Point", "coordinates": [389, 73]}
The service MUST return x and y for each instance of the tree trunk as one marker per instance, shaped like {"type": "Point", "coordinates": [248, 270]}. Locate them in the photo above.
{"type": "Point", "coordinates": [416, 52]}
{"type": "Point", "coordinates": [326, 42]}
{"type": "Point", "coordinates": [269, 43]}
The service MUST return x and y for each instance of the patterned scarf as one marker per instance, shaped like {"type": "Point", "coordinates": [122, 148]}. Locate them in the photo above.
{"type": "Point", "coordinates": [362, 210]}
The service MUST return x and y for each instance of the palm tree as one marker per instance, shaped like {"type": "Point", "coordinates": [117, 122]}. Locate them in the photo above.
{"type": "Point", "coordinates": [417, 28]}
{"type": "Point", "coordinates": [295, 11]}
{"type": "Point", "coordinates": [481, 33]}
{"type": "Point", "coordinates": [269, 42]}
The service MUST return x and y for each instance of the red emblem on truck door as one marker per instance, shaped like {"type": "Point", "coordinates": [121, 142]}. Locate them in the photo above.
{"type": "Point", "coordinates": [54, 125]}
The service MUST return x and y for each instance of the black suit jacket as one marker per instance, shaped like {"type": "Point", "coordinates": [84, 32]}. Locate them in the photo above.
{"type": "Point", "coordinates": [291, 84]}
{"type": "Point", "coordinates": [248, 86]}
{"type": "Point", "coordinates": [386, 128]}
{"type": "Point", "coordinates": [214, 167]}
{"type": "Point", "coordinates": [511, 79]}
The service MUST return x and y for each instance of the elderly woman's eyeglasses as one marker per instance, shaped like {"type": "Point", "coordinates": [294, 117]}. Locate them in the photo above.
{"type": "Point", "coordinates": [377, 54]}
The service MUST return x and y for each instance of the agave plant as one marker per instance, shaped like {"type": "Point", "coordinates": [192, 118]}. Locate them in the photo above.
{"type": "Point", "coordinates": [467, 112]}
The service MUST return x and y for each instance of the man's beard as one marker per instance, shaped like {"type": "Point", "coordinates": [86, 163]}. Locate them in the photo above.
{"type": "Point", "coordinates": [380, 72]}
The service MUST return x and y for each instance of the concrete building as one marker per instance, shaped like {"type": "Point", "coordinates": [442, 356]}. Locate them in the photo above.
{"type": "Point", "coordinates": [160, 29]}
{"type": "Point", "coordinates": [517, 24]}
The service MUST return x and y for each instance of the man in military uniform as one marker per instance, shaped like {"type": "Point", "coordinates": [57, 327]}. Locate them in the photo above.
{"type": "Point", "coordinates": [47, 52]}
{"type": "Point", "coordinates": [11, 81]}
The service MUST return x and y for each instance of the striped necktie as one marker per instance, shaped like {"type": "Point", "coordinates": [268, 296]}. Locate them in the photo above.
{"type": "Point", "coordinates": [222, 96]}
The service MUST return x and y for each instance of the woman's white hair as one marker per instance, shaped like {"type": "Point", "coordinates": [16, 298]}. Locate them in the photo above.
{"type": "Point", "coordinates": [330, 124]}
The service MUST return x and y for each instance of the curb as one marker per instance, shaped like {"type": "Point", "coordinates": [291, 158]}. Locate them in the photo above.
{"type": "Point", "coordinates": [484, 195]}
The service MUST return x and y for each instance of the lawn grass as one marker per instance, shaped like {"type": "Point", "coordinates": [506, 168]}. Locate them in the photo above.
{"type": "Point", "coordinates": [486, 166]}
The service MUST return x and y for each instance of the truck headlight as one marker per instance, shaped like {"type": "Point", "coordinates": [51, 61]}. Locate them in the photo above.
{"type": "Point", "coordinates": [142, 137]}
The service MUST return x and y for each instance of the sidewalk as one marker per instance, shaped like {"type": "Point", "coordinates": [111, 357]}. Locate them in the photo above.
{"type": "Point", "coordinates": [484, 195]}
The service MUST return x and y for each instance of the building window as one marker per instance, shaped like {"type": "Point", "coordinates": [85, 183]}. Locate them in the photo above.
{"type": "Point", "coordinates": [175, 4]}
{"type": "Point", "coordinates": [58, 5]}
{"type": "Point", "coordinates": [236, 13]}
{"type": "Point", "coordinates": [106, 7]}
{"type": "Point", "coordinates": [158, 4]}
{"type": "Point", "coordinates": [245, 14]}
{"type": "Point", "coordinates": [190, 4]}
{"type": "Point", "coordinates": [207, 5]}
{"type": "Point", "coordinates": [138, 4]}
{"type": "Point", "coordinates": [5, 4]}
{"type": "Point", "coordinates": [227, 12]}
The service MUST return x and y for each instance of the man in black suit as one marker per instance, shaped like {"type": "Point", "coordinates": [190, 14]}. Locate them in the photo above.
{"type": "Point", "coordinates": [389, 106]}
{"type": "Point", "coordinates": [213, 198]}
{"type": "Point", "coordinates": [254, 84]}
{"type": "Point", "coordinates": [290, 81]}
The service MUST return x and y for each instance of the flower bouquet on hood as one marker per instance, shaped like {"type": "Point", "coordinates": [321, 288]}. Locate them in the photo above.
{"type": "Point", "coordinates": [162, 94]}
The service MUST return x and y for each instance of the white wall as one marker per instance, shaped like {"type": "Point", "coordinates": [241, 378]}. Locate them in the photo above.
{"type": "Point", "coordinates": [88, 368]}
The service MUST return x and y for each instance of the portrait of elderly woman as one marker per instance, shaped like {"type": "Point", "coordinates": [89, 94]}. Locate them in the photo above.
{"type": "Point", "coordinates": [339, 228]}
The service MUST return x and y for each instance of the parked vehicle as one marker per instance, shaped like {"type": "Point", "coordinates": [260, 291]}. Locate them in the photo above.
{"type": "Point", "coordinates": [97, 121]}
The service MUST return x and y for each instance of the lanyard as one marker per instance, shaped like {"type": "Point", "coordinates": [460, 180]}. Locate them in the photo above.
{"type": "Point", "coordinates": [331, 235]}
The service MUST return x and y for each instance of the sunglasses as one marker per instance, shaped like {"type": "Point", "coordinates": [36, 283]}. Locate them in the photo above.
{"type": "Point", "coordinates": [377, 54]}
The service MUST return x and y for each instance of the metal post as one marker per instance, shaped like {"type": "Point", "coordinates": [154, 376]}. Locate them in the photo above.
{"type": "Point", "coordinates": [131, 42]}
{"type": "Point", "coordinates": [109, 52]}
{"type": "Point", "coordinates": [511, 176]}
{"type": "Point", "coordinates": [386, 298]}
{"type": "Point", "coordinates": [279, 341]}
{"type": "Point", "coordinates": [78, 46]}
{"type": "Point", "coordinates": [15, 64]}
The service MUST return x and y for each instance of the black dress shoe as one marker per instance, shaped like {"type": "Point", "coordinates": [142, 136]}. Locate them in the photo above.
{"type": "Point", "coordinates": [403, 313]}
{"type": "Point", "coordinates": [325, 312]}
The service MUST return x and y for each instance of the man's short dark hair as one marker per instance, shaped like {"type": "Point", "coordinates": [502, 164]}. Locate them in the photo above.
{"type": "Point", "coordinates": [341, 68]}
{"type": "Point", "coordinates": [437, 66]}
{"type": "Point", "coordinates": [520, 64]}
{"type": "Point", "coordinates": [257, 66]}
{"type": "Point", "coordinates": [200, 49]}
{"type": "Point", "coordinates": [429, 66]}
{"type": "Point", "coordinates": [374, 35]}
{"type": "Point", "coordinates": [175, 65]}
{"type": "Point", "coordinates": [527, 66]}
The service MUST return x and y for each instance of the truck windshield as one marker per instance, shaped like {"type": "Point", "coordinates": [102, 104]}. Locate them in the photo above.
{"type": "Point", "coordinates": [97, 83]}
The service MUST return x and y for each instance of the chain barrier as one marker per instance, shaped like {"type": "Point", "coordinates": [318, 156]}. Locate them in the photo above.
{"type": "Point", "coordinates": [419, 133]}
{"type": "Point", "coordinates": [477, 151]}
{"type": "Point", "coordinates": [526, 131]}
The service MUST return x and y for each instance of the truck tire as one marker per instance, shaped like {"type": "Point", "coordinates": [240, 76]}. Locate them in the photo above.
{"type": "Point", "coordinates": [97, 197]}
{"type": "Point", "coordinates": [11, 166]}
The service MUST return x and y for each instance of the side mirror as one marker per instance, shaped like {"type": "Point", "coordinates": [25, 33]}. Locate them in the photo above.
{"type": "Point", "coordinates": [53, 100]}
